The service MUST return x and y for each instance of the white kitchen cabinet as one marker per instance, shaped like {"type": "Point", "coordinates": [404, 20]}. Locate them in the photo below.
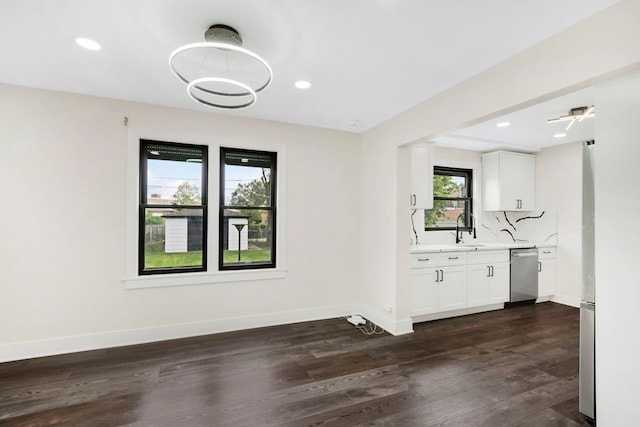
{"type": "Point", "coordinates": [423, 291]}
{"type": "Point", "coordinates": [508, 181]}
{"type": "Point", "coordinates": [438, 282]}
{"type": "Point", "coordinates": [546, 271]}
{"type": "Point", "coordinates": [487, 278]}
{"type": "Point", "coordinates": [452, 288]}
{"type": "Point", "coordinates": [421, 192]}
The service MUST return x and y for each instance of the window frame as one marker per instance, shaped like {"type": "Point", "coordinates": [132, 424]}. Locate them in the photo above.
{"type": "Point", "coordinates": [272, 208]}
{"type": "Point", "coordinates": [467, 173]}
{"type": "Point", "coordinates": [131, 280]}
{"type": "Point", "coordinates": [144, 205]}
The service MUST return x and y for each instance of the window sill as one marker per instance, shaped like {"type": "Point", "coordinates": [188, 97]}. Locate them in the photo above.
{"type": "Point", "coordinates": [187, 279]}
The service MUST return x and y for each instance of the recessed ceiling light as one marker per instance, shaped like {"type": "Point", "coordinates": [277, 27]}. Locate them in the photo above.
{"type": "Point", "coordinates": [303, 84]}
{"type": "Point", "coordinates": [87, 43]}
{"type": "Point", "coordinates": [354, 123]}
{"type": "Point", "coordinates": [559, 135]}
{"type": "Point", "coordinates": [503, 124]}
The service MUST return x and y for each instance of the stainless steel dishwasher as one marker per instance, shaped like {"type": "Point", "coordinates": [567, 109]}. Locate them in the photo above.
{"type": "Point", "coordinates": [524, 275]}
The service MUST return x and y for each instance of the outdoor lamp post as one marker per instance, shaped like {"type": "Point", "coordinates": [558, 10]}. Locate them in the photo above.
{"type": "Point", "coordinates": [239, 227]}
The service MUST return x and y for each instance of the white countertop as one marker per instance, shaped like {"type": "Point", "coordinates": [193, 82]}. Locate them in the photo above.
{"type": "Point", "coordinates": [476, 247]}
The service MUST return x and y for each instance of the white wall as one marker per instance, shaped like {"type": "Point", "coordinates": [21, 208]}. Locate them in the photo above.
{"type": "Point", "coordinates": [559, 189]}
{"type": "Point", "coordinates": [63, 167]}
{"type": "Point", "coordinates": [617, 155]}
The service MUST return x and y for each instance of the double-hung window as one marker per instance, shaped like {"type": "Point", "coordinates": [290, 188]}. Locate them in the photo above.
{"type": "Point", "coordinates": [452, 200]}
{"type": "Point", "coordinates": [173, 208]}
{"type": "Point", "coordinates": [247, 217]}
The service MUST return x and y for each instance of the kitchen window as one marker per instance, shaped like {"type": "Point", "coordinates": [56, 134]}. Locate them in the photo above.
{"type": "Point", "coordinates": [247, 217]}
{"type": "Point", "coordinates": [172, 228]}
{"type": "Point", "coordinates": [452, 197]}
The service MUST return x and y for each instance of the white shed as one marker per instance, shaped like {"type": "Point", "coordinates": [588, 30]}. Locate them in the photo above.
{"type": "Point", "coordinates": [183, 231]}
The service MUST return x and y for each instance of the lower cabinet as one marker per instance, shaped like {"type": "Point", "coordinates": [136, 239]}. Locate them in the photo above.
{"type": "Point", "coordinates": [546, 272]}
{"type": "Point", "coordinates": [448, 281]}
{"type": "Point", "coordinates": [438, 283]}
{"type": "Point", "coordinates": [423, 291]}
{"type": "Point", "coordinates": [488, 278]}
{"type": "Point", "coordinates": [452, 288]}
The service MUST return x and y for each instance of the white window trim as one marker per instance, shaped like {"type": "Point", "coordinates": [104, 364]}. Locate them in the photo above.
{"type": "Point", "coordinates": [132, 280]}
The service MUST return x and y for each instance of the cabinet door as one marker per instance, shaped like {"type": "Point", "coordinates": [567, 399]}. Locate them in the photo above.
{"type": "Point", "coordinates": [452, 288]}
{"type": "Point", "coordinates": [499, 283]}
{"type": "Point", "coordinates": [508, 181]}
{"type": "Point", "coordinates": [478, 285]}
{"type": "Point", "coordinates": [423, 291]}
{"type": "Point", "coordinates": [517, 182]}
{"type": "Point", "coordinates": [546, 277]}
{"type": "Point", "coordinates": [421, 195]}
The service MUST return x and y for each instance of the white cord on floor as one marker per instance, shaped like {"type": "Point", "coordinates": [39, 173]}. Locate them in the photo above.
{"type": "Point", "coordinates": [368, 328]}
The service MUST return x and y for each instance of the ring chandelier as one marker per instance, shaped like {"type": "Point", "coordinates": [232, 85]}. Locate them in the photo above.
{"type": "Point", "coordinates": [219, 72]}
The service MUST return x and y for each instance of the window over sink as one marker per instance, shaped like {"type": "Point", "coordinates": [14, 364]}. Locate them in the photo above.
{"type": "Point", "coordinates": [452, 197]}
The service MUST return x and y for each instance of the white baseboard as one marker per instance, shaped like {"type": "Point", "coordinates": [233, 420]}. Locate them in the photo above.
{"type": "Point", "coordinates": [394, 327]}
{"type": "Point", "coordinates": [566, 300]}
{"type": "Point", "coordinates": [456, 313]}
{"type": "Point", "coordinates": [72, 344]}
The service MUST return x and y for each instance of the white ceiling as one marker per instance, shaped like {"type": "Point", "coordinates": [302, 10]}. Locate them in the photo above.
{"type": "Point", "coordinates": [367, 60]}
{"type": "Point", "coordinates": [528, 130]}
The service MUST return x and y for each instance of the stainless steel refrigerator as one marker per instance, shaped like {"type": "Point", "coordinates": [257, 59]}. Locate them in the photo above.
{"type": "Point", "coordinates": [587, 405]}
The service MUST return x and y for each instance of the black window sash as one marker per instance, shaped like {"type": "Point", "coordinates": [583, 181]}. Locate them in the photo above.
{"type": "Point", "coordinates": [144, 205]}
{"type": "Point", "coordinates": [256, 159]}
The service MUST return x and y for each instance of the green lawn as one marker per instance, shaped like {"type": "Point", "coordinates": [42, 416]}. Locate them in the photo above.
{"type": "Point", "coordinates": [180, 259]}
{"type": "Point", "coordinates": [154, 259]}
{"type": "Point", "coordinates": [248, 256]}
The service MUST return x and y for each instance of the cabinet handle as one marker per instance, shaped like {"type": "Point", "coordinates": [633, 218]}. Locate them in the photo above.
{"type": "Point", "coordinates": [491, 268]}
{"type": "Point", "coordinates": [437, 276]}
{"type": "Point", "coordinates": [546, 252]}
{"type": "Point", "coordinates": [452, 257]}
{"type": "Point", "coordinates": [413, 200]}
{"type": "Point", "coordinates": [441, 276]}
{"type": "Point", "coordinates": [488, 271]}
{"type": "Point", "coordinates": [539, 266]}
{"type": "Point", "coordinates": [423, 259]}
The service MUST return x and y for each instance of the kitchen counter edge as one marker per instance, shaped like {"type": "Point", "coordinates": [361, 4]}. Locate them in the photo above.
{"type": "Point", "coordinates": [481, 247]}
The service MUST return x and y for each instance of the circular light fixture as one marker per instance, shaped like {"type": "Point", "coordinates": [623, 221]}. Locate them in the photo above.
{"type": "Point", "coordinates": [87, 43]}
{"type": "Point", "coordinates": [302, 84]}
{"type": "Point", "coordinates": [503, 124]}
{"type": "Point", "coordinates": [198, 86]}
{"type": "Point", "coordinates": [559, 135]}
{"type": "Point", "coordinates": [219, 72]}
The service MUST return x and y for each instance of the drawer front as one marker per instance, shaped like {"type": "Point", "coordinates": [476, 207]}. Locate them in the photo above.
{"type": "Point", "coordinates": [488, 257]}
{"type": "Point", "coordinates": [424, 260]}
{"type": "Point", "coordinates": [546, 253]}
{"type": "Point", "coordinates": [451, 258]}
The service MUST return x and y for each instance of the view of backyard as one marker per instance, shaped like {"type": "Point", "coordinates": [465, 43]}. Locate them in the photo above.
{"type": "Point", "coordinates": [175, 208]}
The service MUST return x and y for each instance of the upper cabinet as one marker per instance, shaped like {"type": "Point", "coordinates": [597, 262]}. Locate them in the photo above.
{"type": "Point", "coordinates": [508, 181]}
{"type": "Point", "coordinates": [421, 191]}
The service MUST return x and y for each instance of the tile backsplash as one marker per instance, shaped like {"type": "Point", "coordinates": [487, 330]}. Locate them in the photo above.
{"type": "Point", "coordinates": [494, 227]}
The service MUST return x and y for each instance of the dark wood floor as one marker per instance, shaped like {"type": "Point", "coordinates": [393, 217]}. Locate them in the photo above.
{"type": "Point", "coordinates": [514, 367]}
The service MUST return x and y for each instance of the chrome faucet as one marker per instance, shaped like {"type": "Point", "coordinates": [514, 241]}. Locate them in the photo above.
{"type": "Point", "coordinates": [473, 225]}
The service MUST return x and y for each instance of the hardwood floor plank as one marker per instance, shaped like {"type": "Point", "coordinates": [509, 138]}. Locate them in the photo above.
{"type": "Point", "coordinates": [504, 368]}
